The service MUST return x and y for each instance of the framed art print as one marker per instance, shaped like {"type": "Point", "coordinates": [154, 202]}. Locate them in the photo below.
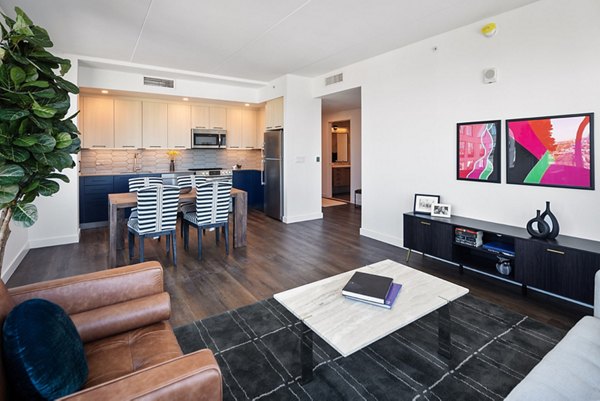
{"type": "Point", "coordinates": [554, 151]}
{"type": "Point", "coordinates": [423, 203]}
{"type": "Point", "coordinates": [478, 151]}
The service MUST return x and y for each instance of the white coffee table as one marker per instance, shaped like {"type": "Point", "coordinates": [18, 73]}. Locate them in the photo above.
{"type": "Point", "coordinates": [349, 326]}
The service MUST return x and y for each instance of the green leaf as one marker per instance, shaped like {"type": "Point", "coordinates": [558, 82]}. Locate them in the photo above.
{"type": "Point", "coordinates": [15, 154]}
{"type": "Point", "coordinates": [12, 114]}
{"type": "Point", "coordinates": [45, 143]}
{"type": "Point", "coordinates": [61, 177]}
{"type": "Point", "coordinates": [32, 185]}
{"type": "Point", "coordinates": [21, 26]}
{"type": "Point", "coordinates": [29, 197]}
{"type": "Point", "coordinates": [49, 93]}
{"type": "Point", "coordinates": [60, 160]}
{"type": "Point", "coordinates": [26, 214]}
{"type": "Point", "coordinates": [66, 85]}
{"type": "Point", "coordinates": [40, 37]}
{"type": "Point", "coordinates": [42, 111]}
{"type": "Point", "coordinates": [8, 193]}
{"type": "Point", "coordinates": [17, 75]}
{"type": "Point", "coordinates": [24, 17]}
{"type": "Point", "coordinates": [48, 187]}
{"type": "Point", "coordinates": [25, 141]}
{"type": "Point", "coordinates": [32, 74]}
{"type": "Point", "coordinates": [63, 140]}
{"type": "Point", "coordinates": [41, 123]}
{"type": "Point", "coordinates": [11, 174]}
{"type": "Point", "coordinates": [37, 84]}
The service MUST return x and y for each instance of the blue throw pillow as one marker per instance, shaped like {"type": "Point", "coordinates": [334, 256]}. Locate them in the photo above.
{"type": "Point", "coordinates": [43, 353]}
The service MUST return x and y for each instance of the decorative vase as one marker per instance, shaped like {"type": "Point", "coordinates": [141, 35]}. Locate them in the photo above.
{"type": "Point", "coordinates": [552, 222]}
{"type": "Point", "coordinates": [542, 229]}
{"type": "Point", "coordinates": [172, 165]}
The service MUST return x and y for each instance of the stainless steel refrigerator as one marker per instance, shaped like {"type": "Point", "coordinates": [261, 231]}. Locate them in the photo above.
{"type": "Point", "coordinates": [273, 174]}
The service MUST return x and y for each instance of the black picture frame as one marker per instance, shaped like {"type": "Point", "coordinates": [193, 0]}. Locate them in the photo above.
{"type": "Point", "coordinates": [524, 168]}
{"type": "Point", "coordinates": [478, 156]}
{"type": "Point", "coordinates": [418, 207]}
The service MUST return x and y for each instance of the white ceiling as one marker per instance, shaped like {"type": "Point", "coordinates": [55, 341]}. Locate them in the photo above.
{"type": "Point", "coordinates": [256, 40]}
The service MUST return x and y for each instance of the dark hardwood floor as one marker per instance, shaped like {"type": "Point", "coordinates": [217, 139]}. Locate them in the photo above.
{"type": "Point", "coordinates": [278, 257]}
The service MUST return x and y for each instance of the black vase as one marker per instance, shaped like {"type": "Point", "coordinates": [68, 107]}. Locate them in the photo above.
{"type": "Point", "coordinates": [172, 165]}
{"type": "Point", "coordinates": [552, 222]}
{"type": "Point", "coordinates": [543, 229]}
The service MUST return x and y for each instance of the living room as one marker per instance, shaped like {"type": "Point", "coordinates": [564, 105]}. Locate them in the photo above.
{"type": "Point", "coordinates": [412, 98]}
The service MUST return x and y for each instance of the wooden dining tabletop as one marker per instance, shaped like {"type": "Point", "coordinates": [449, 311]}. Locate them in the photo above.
{"type": "Point", "coordinates": [117, 203]}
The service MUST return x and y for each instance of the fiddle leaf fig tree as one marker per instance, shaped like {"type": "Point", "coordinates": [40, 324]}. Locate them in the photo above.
{"type": "Point", "coordinates": [37, 140]}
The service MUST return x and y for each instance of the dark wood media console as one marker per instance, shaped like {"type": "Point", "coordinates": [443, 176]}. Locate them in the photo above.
{"type": "Point", "coordinates": [565, 266]}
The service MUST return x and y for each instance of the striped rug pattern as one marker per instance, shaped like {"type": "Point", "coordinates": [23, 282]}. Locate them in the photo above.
{"type": "Point", "coordinates": [257, 349]}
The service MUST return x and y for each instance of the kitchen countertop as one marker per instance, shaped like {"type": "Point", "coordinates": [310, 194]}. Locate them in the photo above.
{"type": "Point", "coordinates": [151, 172]}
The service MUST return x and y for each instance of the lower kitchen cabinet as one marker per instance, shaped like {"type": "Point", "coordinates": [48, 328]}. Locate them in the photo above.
{"type": "Point", "coordinates": [250, 181]}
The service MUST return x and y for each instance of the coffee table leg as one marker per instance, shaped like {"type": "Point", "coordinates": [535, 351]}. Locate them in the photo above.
{"type": "Point", "coordinates": [306, 353]}
{"type": "Point", "coordinates": [444, 331]}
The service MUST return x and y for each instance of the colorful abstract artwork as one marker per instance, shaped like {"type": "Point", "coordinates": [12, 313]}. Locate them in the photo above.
{"type": "Point", "coordinates": [478, 151]}
{"type": "Point", "coordinates": [554, 151]}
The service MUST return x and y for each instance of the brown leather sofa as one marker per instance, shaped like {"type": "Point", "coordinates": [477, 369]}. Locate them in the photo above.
{"type": "Point", "coordinates": [132, 353]}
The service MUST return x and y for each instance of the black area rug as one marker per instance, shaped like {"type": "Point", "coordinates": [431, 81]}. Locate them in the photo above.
{"type": "Point", "coordinates": [257, 348]}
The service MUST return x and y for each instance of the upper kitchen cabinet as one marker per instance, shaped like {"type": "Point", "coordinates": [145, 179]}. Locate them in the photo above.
{"type": "Point", "coordinates": [98, 122]}
{"type": "Point", "coordinates": [249, 119]}
{"type": "Point", "coordinates": [128, 123]}
{"type": "Point", "coordinates": [213, 117]}
{"type": "Point", "coordinates": [274, 114]}
{"type": "Point", "coordinates": [178, 130]}
{"type": "Point", "coordinates": [218, 117]}
{"type": "Point", "coordinates": [154, 125]}
{"type": "Point", "coordinates": [260, 127]}
{"type": "Point", "coordinates": [234, 131]}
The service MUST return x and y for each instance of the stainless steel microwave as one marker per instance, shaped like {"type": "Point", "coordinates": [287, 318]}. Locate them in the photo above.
{"type": "Point", "coordinates": [209, 138]}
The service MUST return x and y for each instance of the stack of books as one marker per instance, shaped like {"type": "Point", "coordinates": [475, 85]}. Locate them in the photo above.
{"type": "Point", "coordinates": [372, 289]}
{"type": "Point", "coordinates": [468, 237]}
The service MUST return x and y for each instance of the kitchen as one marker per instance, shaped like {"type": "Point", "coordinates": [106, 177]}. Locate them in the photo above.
{"type": "Point", "coordinates": [126, 134]}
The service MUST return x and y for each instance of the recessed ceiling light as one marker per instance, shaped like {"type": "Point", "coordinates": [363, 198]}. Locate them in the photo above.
{"type": "Point", "coordinates": [185, 99]}
{"type": "Point", "coordinates": [247, 104]}
{"type": "Point", "coordinates": [104, 91]}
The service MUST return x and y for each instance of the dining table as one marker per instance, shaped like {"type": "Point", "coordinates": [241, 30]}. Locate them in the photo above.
{"type": "Point", "coordinates": [118, 202]}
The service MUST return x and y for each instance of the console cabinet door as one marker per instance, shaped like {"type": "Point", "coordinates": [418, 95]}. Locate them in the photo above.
{"type": "Point", "coordinates": [428, 236]}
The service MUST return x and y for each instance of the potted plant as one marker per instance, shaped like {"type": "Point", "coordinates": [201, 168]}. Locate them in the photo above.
{"type": "Point", "coordinates": [37, 140]}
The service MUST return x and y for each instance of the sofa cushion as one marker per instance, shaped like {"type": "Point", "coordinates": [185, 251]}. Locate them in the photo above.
{"type": "Point", "coordinates": [571, 371]}
{"type": "Point", "coordinates": [42, 351]}
{"type": "Point", "coordinates": [121, 354]}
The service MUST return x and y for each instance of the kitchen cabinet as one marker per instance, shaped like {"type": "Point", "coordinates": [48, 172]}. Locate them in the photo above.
{"type": "Point", "coordinates": [178, 126]}
{"type": "Point", "coordinates": [234, 128]}
{"type": "Point", "coordinates": [98, 122]}
{"type": "Point", "coordinates": [250, 181]}
{"type": "Point", "coordinates": [260, 128]}
{"type": "Point", "coordinates": [274, 114]}
{"type": "Point", "coordinates": [209, 117]}
{"type": "Point", "coordinates": [248, 128]}
{"type": "Point", "coordinates": [128, 123]}
{"type": "Point", "coordinates": [154, 125]}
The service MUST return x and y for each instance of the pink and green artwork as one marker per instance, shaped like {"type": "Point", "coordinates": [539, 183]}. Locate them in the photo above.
{"type": "Point", "coordinates": [478, 157]}
{"type": "Point", "coordinates": [552, 151]}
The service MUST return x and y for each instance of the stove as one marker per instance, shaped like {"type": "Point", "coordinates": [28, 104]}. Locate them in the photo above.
{"type": "Point", "coordinates": [212, 172]}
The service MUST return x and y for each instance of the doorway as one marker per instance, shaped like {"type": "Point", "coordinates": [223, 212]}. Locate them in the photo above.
{"type": "Point", "coordinates": [341, 166]}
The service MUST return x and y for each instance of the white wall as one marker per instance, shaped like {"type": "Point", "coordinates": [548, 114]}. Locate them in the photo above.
{"type": "Point", "coordinates": [354, 116]}
{"type": "Point", "coordinates": [16, 249]}
{"type": "Point", "coordinates": [412, 98]}
{"type": "Point", "coordinates": [302, 146]}
{"type": "Point", "coordinates": [58, 215]}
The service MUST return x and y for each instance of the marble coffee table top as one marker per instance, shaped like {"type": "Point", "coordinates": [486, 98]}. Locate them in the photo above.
{"type": "Point", "coordinates": [349, 325]}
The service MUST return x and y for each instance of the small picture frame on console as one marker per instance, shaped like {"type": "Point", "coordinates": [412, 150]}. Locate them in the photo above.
{"type": "Point", "coordinates": [423, 203]}
{"type": "Point", "coordinates": [440, 210]}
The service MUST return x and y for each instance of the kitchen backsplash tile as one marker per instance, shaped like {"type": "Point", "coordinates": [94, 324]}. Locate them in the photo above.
{"type": "Point", "coordinates": [121, 161]}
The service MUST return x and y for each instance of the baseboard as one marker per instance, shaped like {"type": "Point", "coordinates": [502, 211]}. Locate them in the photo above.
{"type": "Point", "coordinates": [95, 224]}
{"type": "Point", "coordinates": [388, 239]}
{"type": "Point", "coordinates": [66, 239]}
{"type": "Point", "coordinates": [11, 267]}
{"type": "Point", "coordinates": [303, 217]}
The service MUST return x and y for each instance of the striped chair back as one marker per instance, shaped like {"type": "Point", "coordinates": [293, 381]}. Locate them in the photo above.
{"type": "Point", "coordinates": [157, 208]}
{"type": "Point", "coordinates": [138, 183]}
{"type": "Point", "coordinates": [212, 202]}
{"type": "Point", "coordinates": [189, 181]}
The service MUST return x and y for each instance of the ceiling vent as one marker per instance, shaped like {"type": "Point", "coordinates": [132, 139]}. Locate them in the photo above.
{"type": "Point", "coordinates": [163, 83]}
{"type": "Point", "coordinates": [334, 79]}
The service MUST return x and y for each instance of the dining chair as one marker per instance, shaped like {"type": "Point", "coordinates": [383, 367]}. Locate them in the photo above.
{"type": "Point", "coordinates": [156, 216]}
{"type": "Point", "coordinates": [186, 183]}
{"type": "Point", "coordinates": [141, 182]}
{"type": "Point", "coordinates": [213, 199]}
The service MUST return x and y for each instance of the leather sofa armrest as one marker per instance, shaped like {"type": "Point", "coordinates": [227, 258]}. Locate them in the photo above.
{"type": "Point", "coordinates": [194, 376]}
{"type": "Point", "coordinates": [94, 290]}
{"type": "Point", "coordinates": [597, 295]}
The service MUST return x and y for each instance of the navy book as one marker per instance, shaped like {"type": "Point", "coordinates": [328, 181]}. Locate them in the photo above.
{"type": "Point", "coordinates": [369, 287]}
{"type": "Point", "coordinates": [389, 300]}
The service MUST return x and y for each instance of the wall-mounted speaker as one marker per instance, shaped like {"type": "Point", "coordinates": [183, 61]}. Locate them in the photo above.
{"type": "Point", "coordinates": [490, 75]}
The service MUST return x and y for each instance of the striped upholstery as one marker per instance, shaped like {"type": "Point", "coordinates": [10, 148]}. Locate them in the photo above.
{"type": "Point", "coordinates": [141, 182]}
{"type": "Point", "coordinates": [157, 209]}
{"type": "Point", "coordinates": [212, 203]}
{"type": "Point", "coordinates": [189, 181]}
